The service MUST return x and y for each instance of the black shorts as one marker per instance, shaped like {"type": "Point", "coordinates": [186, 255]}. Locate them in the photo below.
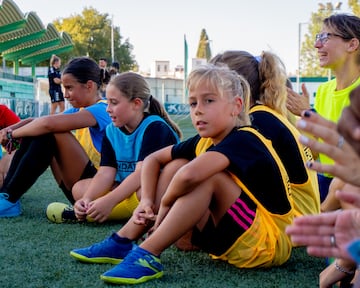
{"type": "Point", "coordinates": [89, 171]}
{"type": "Point", "coordinates": [56, 96]}
{"type": "Point", "coordinates": [218, 239]}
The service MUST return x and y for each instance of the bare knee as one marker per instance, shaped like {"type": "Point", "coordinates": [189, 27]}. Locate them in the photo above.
{"type": "Point", "coordinates": [79, 188]}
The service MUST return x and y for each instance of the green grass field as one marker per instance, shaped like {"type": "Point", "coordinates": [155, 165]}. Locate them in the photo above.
{"type": "Point", "coordinates": [34, 253]}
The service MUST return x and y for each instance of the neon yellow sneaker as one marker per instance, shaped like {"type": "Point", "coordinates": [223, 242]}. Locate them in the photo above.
{"type": "Point", "coordinates": [58, 212]}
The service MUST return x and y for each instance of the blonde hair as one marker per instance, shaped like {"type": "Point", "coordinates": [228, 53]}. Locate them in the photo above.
{"type": "Point", "coordinates": [266, 75]}
{"type": "Point", "coordinates": [226, 82]}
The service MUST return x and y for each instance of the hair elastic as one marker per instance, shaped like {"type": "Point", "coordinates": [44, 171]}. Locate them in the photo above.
{"type": "Point", "coordinates": [258, 58]}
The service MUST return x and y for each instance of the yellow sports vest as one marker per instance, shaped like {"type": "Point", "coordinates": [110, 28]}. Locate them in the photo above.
{"type": "Point", "coordinates": [306, 195]}
{"type": "Point", "coordinates": [265, 243]}
{"type": "Point", "coordinates": [84, 138]}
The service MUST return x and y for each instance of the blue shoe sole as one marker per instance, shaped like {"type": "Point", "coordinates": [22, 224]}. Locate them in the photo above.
{"type": "Point", "coordinates": [10, 214]}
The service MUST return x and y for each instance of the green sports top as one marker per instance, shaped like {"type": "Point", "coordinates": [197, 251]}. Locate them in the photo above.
{"type": "Point", "coordinates": [329, 103]}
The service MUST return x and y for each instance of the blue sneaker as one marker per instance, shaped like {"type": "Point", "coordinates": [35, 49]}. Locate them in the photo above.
{"type": "Point", "coordinates": [137, 267]}
{"type": "Point", "coordinates": [106, 251]}
{"type": "Point", "coordinates": [7, 208]}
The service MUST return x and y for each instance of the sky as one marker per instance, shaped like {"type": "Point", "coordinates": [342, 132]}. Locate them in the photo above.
{"type": "Point", "coordinates": [156, 28]}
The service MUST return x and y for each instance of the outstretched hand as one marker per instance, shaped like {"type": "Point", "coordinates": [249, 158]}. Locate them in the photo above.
{"type": "Point", "coordinates": [349, 122]}
{"type": "Point", "coordinates": [347, 161]}
{"type": "Point", "coordinates": [315, 232]}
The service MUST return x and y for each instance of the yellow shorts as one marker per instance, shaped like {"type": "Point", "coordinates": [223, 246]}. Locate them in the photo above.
{"type": "Point", "coordinates": [262, 245]}
{"type": "Point", "coordinates": [124, 209]}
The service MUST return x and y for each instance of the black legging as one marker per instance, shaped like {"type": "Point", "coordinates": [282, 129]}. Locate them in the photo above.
{"type": "Point", "coordinates": [28, 164]}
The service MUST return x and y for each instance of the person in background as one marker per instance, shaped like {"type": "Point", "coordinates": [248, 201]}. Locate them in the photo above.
{"type": "Point", "coordinates": [339, 50]}
{"type": "Point", "coordinates": [55, 90]}
{"type": "Point", "coordinates": [50, 141]}
{"type": "Point", "coordinates": [267, 77]}
{"type": "Point", "coordinates": [114, 69]}
{"type": "Point", "coordinates": [7, 118]}
{"type": "Point", "coordinates": [216, 191]}
{"type": "Point", "coordinates": [105, 76]}
{"type": "Point", "coordinates": [137, 116]}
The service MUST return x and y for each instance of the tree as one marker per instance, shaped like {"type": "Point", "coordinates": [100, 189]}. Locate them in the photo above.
{"type": "Point", "coordinates": [309, 67]}
{"type": "Point", "coordinates": [355, 6]}
{"type": "Point", "coordinates": [91, 34]}
{"type": "Point", "coordinates": [204, 50]}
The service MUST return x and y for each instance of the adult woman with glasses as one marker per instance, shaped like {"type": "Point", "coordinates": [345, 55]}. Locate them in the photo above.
{"type": "Point", "coordinates": [338, 50]}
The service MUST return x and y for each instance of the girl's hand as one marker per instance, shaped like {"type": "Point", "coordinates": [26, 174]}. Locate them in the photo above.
{"type": "Point", "coordinates": [80, 208]}
{"type": "Point", "coordinates": [144, 213]}
{"type": "Point", "coordinates": [99, 209]}
{"type": "Point", "coordinates": [3, 137]}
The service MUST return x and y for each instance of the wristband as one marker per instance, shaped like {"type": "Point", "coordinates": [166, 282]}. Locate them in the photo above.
{"type": "Point", "coordinates": [13, 143]}
{"type": "Point", "coordinates": [343, 270]}
{"type": "Point", "coordinates": [9, 134]}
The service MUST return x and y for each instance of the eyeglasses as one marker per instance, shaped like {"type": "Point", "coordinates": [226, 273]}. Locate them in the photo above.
{"type": "Point", "coordinates": [324, 37]}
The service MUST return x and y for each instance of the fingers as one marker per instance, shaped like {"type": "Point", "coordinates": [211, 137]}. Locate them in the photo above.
{"type": "Point", "coordinates": [355, 101]}
{"type": "Point", "coordinates": [322, 251]}
{"type": "Point", "coordinates": [312, 117]}
{"type": "Point", "coordinates": [335, 170]}
{"type": "Point", "coordinates": [351, 197]}
{"type": "Point", "coordinates": [80, 210]}
{"type": "Point", "coordinates": [149, 213]}
{"type": "Point", "coordinates": [349, 127]}
{"type": "Point", "coordinates": [292, 102]}
{"type": "Point", "coordinates": [304, 90]}
{"type": "Point", "coordinates": [341, 154]}
{"type": "Point", "coordinates": [312, 223]}
{"type": "Point", "coordinates": [334, 146]}
{"type": "Point", "coordinates": [97, 216]}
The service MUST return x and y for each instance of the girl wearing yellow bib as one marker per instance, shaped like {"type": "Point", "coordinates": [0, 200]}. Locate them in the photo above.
{"type": "Point", "coordinates": [236, 193]}
{"type": "Point", "coordinates": [268, 113]}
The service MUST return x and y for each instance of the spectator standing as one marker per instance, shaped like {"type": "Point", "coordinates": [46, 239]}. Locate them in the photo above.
{"type": "Point", "coordinates": [114, 69]}
{"type": "Point", "coordinates": [55, 90]}
{"type": "Point", "coordinates": [339, 50]}
{"type": "Point", "coordinates": [104, 75]}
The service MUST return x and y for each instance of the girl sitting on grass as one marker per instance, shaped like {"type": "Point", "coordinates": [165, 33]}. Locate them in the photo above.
{"type": "Point", "coordinates": [7, 118]}
{"type": "Point", "coordinates": [49, 141]}
{"type": "Point", "coordinates": [238, 218]}
{"type": "Point", "coordinates": [266, 75]}
{"type": "Point", "coordinates": [140, 126]}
